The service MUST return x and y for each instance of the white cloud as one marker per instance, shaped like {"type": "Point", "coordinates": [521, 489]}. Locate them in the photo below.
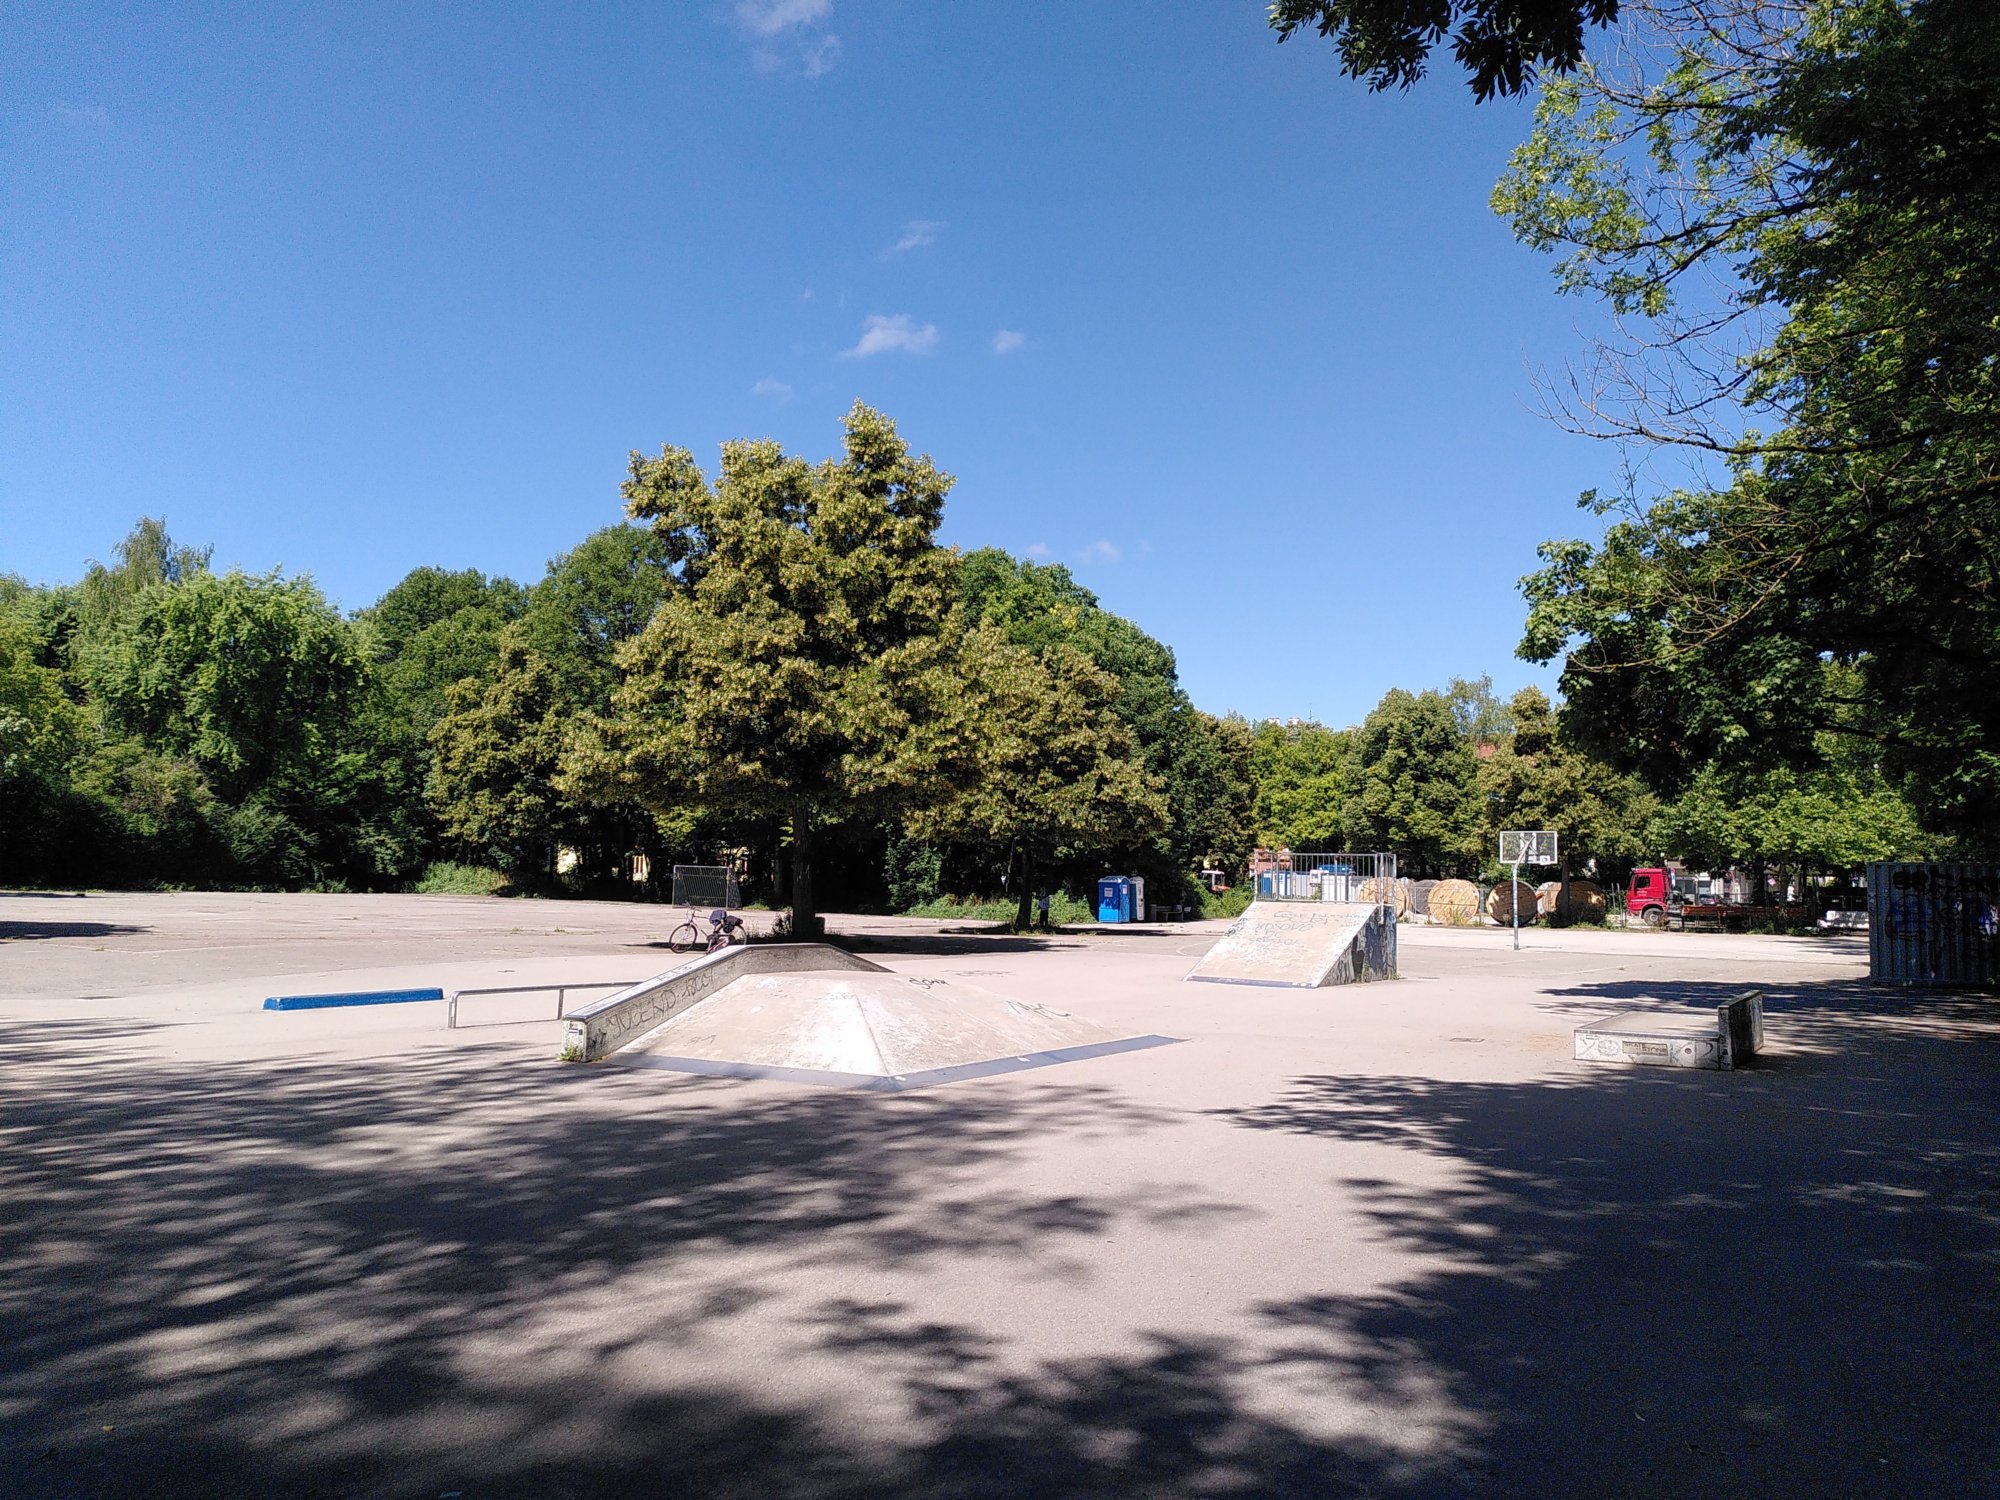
{"type": "Point", "coordinates": [901, 334]}
{"type": "Point", "coordinates": [777, 390]}
{"type": "Point", "coordinates": [1039, 549]}
{"type": "Point", "coordinates": [917, 234]}
{"type": "Point", "coordinates": [1007, 340]}
{"type": "Point", "coordinates": [1100, 551]}
{"type": "Point", "coordinates": [789, 32]}
{"type": "Point", "coordinates": [772, 17]}
{"type": "Point", "coordinates": [821, 57]}
{"type": "Point", "coordinates": [84, 116]}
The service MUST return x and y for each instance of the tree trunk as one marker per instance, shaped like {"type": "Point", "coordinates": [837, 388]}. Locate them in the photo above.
{"type": "Point", "coordinates": [1023, 906]}
{"type": "Point", "coordinates": [805, 915]}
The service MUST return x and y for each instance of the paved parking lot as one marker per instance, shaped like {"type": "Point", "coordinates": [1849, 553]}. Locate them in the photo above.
{"type": "Point", "coordinates": [1386, 1240]}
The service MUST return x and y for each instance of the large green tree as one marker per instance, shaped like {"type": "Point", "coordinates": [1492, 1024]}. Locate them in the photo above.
{"type": "Point", "coordinates": [593, 599]}
{"type": "Point", "coordinates": [553, 665]}
{"type": "Point", "coordinates": [1212, 794]}
{"type": "Point", "coordinates": [257, 682]}
{"type": "Point", "coordinates": [1055, 770]}
{"type": "Point", "coordinates": [1301, 777]}
{"type": "Point", "coordinates": [495, 757]}
{"type": "Point", "coordinates": [1796, 217]}
{"type": "Point", "coordinates": [1203, 763]}
{"type": "Point", "coordinates": [1411, 785]}
{"type": "Point", "coordinates": [42, 737]}
{"type": "Point", "coordinates": [435, 627]}
{"type": "Point", "coordinates": [1830, 819]}
{"type": "Point", "coordinates": [802, 664]}
{"type": "Point", "coordinates": [1534, 780]}
{"type": "Point", "coordinates": [249, 677]}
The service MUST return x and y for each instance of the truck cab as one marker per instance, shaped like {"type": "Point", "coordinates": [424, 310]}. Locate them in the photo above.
{"type": "Point", "coordinates": [1652, 892]}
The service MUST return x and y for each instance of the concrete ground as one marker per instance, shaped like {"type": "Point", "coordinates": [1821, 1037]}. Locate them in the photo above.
{"type": "Point", "coordinates": [1384, 1240]}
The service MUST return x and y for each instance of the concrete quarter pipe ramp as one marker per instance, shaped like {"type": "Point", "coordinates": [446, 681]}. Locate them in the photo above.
{"type": "Point", "coordinates": [1302, 945]}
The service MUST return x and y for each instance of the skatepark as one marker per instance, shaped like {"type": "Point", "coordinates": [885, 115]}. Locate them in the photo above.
{"type": "Point", "coordinates": [1195, 1239]}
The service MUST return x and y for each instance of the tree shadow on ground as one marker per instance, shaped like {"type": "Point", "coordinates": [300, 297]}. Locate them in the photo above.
{"type": "Point", "coordinates": [32, 931]}
{"type": "Point", "coordinates": [417, 1276]}
{"type": "Point", "coordinates": [1666, 1282]}
{"type": "Point", "coordinates": [311, 1278]}
{"type": "Point", "coordinates": [1801, 1018]}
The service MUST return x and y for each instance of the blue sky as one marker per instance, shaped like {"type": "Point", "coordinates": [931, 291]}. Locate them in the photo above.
{"type": "Point", "coordinates": [353, 289]}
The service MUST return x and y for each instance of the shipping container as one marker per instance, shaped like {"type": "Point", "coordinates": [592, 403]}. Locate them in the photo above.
{"type": "Point", "coordinates": [1934, 924]}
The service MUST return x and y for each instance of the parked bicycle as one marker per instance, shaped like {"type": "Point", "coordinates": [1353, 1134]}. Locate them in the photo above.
{"type": "Point", "coordinates": [691, 937]}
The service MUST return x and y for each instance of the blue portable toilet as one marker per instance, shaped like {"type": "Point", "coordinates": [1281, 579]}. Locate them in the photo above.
{"type": "Point", "coordinates": [1121, 898]}
{"type": "Point", "coordinates": [1114, 899]}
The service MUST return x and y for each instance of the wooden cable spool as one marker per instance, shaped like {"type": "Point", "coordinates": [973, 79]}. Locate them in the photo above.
{"type": "Point", "coordinates": [1454, 903]}
{"type": "Point", "coordinates": [1586, 899]}
{"type": "Point", "coordinates": [1371, 890]}
{"type": "Point", "coordinates": [1505, 897]}
{"type": "Point", "coordinates": [1420, 897]}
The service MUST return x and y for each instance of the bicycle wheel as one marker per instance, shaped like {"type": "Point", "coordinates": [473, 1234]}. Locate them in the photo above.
{"type": "Point", "coordinates": [685, 938]}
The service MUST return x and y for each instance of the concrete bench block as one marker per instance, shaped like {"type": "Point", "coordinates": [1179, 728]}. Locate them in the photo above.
{"type": "Point", "coordinates": [1677, 1039]}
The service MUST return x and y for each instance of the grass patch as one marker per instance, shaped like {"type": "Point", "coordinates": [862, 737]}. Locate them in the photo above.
{"type": "Point", "coordinates": [445, 878]}
{"type": "Point", "coordinates": [1064, 909]}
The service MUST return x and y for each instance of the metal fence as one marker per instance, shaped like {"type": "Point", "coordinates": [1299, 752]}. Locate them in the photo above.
{"type": "Point", "coordinates": [1364, 878]}
{"type": "Point", "coordinates": [706, 885]}
{"type": "Point", "coordinates": [1934, 924]}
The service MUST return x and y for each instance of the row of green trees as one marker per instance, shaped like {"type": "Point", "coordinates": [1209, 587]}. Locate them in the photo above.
{"type": "Point", "coordinates": [782, 661]}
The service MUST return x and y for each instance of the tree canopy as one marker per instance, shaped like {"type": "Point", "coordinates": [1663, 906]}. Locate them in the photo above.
{"type": "Point", "coordinates": [1055, 770]}
{"type": "Point", "coordinates": [1795, 212]}
{"type": "Point", "coordinates": [1411, 785]}
{"type": "Point", "coordinates": [801, 666]}
{"type": "Point", "coordinates": [1533, 780]}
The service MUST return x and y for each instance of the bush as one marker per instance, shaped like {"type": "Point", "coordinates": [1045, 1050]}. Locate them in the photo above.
{"type": "Point", "coordinates": [1231, 903]}
{"type": "Point", "coordinates": [912, 871]}
{"type": "Point", "coordinates": [1064, 909]}
{"type": "Point", "coordinates": [445, 878]}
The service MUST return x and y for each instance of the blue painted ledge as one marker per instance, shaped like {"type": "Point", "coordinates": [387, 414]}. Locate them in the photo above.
{"type": "Point", "coordinates": [358, 997]}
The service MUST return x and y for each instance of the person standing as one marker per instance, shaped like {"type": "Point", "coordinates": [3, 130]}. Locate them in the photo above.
{"type": "Point", "coordinates": [1042, 910]}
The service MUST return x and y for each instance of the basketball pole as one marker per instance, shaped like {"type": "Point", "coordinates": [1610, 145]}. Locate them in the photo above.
{"type": "Point", "coordinates": [1514, 891]}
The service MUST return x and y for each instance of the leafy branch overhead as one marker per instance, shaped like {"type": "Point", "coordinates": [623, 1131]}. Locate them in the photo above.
{"type": "Point", "coordinates": [1502, 44]}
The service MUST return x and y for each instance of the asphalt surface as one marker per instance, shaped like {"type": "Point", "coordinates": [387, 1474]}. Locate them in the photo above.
{"type": "Point", "coordinates": [1383, 1240]}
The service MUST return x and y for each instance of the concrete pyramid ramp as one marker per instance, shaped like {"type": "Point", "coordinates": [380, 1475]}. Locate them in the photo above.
{"type": "Point", "coordinates": [1301, 945]}
{"type": "Point", "coordinates": [882, 1030]}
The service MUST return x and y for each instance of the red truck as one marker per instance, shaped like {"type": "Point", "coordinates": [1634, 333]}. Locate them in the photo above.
{"type": "Point", "coordinates": [1661, 896]}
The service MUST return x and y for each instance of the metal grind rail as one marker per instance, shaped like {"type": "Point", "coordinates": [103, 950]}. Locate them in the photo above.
{"type": "Point", "coordinates": [560, 991]}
